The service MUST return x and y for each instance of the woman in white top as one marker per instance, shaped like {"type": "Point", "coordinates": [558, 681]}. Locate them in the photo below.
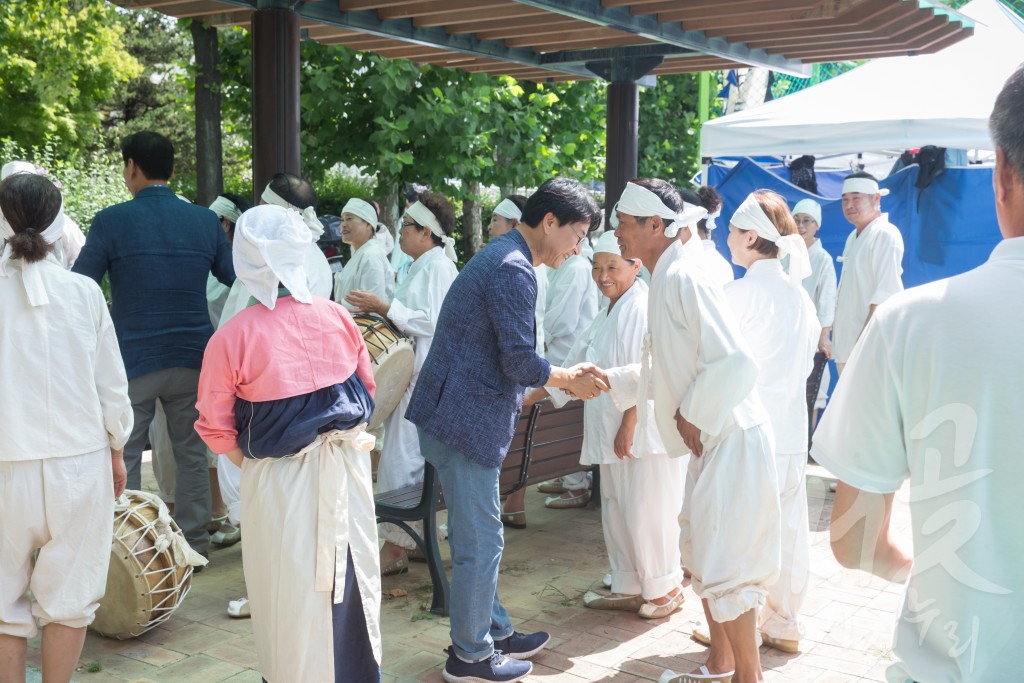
{"type": "Point", "coordinates": [66, 418]}
{"type": "Point", "coordinates": [821, 287]}
{"type": "Point", "coordinates": [369, 269]}
{"type": "Point", "coordinates": [717, 266]}
{"type": "Point", "coordinates": [781, 327]}
{"type": "Point", "coordinates": [426, 237]}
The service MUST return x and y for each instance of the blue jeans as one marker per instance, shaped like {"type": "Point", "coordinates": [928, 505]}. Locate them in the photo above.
{"type": "Point", "coordinates": [476, 538]}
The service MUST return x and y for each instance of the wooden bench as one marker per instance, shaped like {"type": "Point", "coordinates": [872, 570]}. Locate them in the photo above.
{"type": "Point", "coordinates": [546, 445]}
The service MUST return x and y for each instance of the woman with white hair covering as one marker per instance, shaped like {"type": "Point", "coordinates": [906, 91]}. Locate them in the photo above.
{"type": "Point", "coordinates": [310, 555]}
{"type": "Point", "coordinates": [66, 418]}
{"type": "Point", "coordinates": [717, 266]}
{"type": "Point", "coordinates": [65, 249]}
{"type": "Point", "coordinates": [369, 269]}
{"type": "Point", "coordinates": [425, 236]}
{"type": "Point", "coordinates": [506, 216]}
{"type": "Point", "coordinates": [781, 327]}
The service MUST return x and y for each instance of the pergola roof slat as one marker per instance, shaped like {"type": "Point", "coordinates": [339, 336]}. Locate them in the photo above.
{"type": "Point", "coordinates": [524, 38]}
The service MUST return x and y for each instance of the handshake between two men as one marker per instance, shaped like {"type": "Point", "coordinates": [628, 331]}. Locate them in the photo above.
{"type": "Point", "coordinates": [586, 381]}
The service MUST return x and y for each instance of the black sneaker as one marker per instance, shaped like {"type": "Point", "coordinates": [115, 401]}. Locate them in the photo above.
{"type": "Point", "coordinates": [497, 667]}
{"type": "Point", "coordinates": [523, 645]}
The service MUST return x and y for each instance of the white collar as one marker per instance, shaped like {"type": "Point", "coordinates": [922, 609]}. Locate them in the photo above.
{"type": "Point", "coordinates": [1010, 249]}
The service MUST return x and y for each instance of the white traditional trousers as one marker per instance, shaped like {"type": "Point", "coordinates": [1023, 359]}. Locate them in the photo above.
{"type": "Point", "coordinates": [780, 617]}
{"type": "Point", "coordinates": [639, 513]}
{"type": "Point", "coordinates": [729, 524]}
{"type": "Point", "coordinates": [401, 465]}
{"type": "Point", "coordinates": [304, 514]}
{"type": "Point", "coordinates": [64, 508]}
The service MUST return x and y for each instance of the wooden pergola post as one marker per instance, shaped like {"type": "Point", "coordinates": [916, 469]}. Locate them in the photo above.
{"type": "Point", "coordinates": [275, 96]}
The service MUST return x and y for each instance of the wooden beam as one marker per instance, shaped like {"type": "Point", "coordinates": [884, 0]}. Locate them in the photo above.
{"type": "Point", "coordinates": [360, 5]}
{"type": "Point", "coordinates": [888, 32]}
{"type": "Point", "coordinates": [578, 36]}
{"type": "Point", "coordinates": [606, 42]}
{"type": "Point", "coordinates": [470, 16]}
{"type": "Point", "coordinates": [922, 42]}
{"type": "Point", "coordinates": [721, 9]}
{"type": "Point", "coordinates": [426, 8]}
{"type": "Point", "coordinates": [538, 21]}
{"type": "Point", "coordinates": [863, 21]}
{"type": "Point", "coordinates": [774, 15]}
{"type": "Point", "coordinates": [541, 29]}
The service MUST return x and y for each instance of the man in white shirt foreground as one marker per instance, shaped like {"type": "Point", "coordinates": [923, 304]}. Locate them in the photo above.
{"type": "Point", "coordinates": [933, 394]}
{"type": "Point", "coordinates": [872, 263]}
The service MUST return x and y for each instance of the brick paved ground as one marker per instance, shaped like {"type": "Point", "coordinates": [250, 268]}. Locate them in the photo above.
{"type": "Point", "coordinates": [545, 571]}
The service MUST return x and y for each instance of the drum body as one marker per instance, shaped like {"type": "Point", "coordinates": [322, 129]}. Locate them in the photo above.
{"type": "Point", "coordinates": [393, 358]}
{"type": "Point", "coordinates": [150, 569]}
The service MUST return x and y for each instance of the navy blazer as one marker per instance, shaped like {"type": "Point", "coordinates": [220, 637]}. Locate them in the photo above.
{"type": "Point", "coordinates": [483, 355]}
{"type": "Point", "coordinates": [159, 251]}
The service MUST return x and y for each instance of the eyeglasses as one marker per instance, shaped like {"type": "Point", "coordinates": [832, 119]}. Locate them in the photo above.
{"type": "Point", "coordinates": [583, 237]}
{"type": "Point", "coordinates": [410, 224]}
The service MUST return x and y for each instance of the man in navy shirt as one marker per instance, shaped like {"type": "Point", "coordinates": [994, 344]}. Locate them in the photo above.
{"type": "Point", "coordinates": [159, 251]}
{"type": "Point", "coordinates": [466, 405]}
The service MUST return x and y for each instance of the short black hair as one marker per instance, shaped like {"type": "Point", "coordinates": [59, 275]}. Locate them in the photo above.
{"type": "Point", "coordinates": [293, 189]}
{"type": "Point", "coordinates": [151, 152]}
{"type": "Point", "coordinates": [861, 174]}
{"type": "Point", "coordinates": [566, 199]}
{"type": "Point", "coordinates": [1006, 124]}
{"type": "Point", "coordinates": [517, 199]}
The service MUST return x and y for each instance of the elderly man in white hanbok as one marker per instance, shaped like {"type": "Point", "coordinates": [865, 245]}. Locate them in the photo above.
{"type": "Point", "coordinates": [872, 263]}
{"type": "Point", "coordinates": [369, 269]}
{"type": "Point", "coordinates": [571, 305]}
{"type": "Point", "coordinates": [780, 325]}
{"type": "Point", "coordinates": [426, 237]}
{"type": "Point", "coordinates": [702, 375]}
{"type": "Point", "coordinates": [641, 486]}
{"type": "Point", "coordinates": [821, 287]}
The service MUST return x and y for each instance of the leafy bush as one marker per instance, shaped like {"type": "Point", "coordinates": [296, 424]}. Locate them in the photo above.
{"type": "Point", "coordinates": [88, 182]}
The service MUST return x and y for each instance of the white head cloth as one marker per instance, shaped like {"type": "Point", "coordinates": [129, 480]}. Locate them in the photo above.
{"type": "Point", "coordinates": [225, 208]}
{"type": "Point", "coordinates": [308, 214]}
{"type": "Point", "coordinates": [12, 167]}
{"type": "Point", "coordinates": [31, 277]}
{"type": "Point", "coordinates": [607, 243]}
{"type": "Point", "coordinates": [508, 209]}
{"type": "Point", "coordinates": [809, 207]}
{"type": "Point", "coordinates": [269, 248]}
{"type": "Point", "coordinates": [750, 216]}
{"type": "Point", "coordinates": [641, 202]}
{"type": "Point", "coordinates": [365, 211]}
{"type": "Point", "coordinates": [864, 186]}
{"type": "Point", "coordinates": [425, 217]}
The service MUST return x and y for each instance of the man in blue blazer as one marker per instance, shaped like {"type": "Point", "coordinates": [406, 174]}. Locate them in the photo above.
{"type": "Point", "coordinates": [466, 405]}
{"type": "Point", "coordinates": [159, 252]}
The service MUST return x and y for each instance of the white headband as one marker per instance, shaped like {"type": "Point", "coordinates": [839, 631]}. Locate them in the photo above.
{"type": "Point", "coordinates": [710, 225]}
{"type": "Point", "coordinates": [270, 247]}
{"type": "Point", "coordinates": [809, 207]}
{"type": "Point", "coordinates": [425, 217]}
{"type": "Point", "coordinates": [225, 208]}
{"type": "Point", "coordinates": [864, 186]}
{"type": "Point", "coordinates": [361, 209]}
{"type": "Point", "coordinates": [12, 167]}
{"type": "Point", "coordinates": [508, 209]}
{"type": "Point", "coordinates": [641, 202]}
{"type": "Point", "coordinates": [30, 275]}
{"type": "Point", "coordinates": [308, 214]}
{"type": "Point", "coordinates": [750, 216]}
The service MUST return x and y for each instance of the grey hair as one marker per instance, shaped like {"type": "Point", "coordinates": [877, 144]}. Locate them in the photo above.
{"type": "Point", "coordinates": [1006, 124]}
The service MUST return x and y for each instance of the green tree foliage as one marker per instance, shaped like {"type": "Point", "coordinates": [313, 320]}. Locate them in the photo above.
{"type": "Point", "coordinates": [668, 140]}
{"type": "Point", "coordinates": [59, 61]}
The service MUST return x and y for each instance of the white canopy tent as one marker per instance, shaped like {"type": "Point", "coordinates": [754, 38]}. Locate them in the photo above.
{"type": "Point", "coordinates": [895, 103]}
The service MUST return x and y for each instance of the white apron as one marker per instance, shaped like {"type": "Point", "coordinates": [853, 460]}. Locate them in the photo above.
{"type": "Point", "coordinates": [295, 576]}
